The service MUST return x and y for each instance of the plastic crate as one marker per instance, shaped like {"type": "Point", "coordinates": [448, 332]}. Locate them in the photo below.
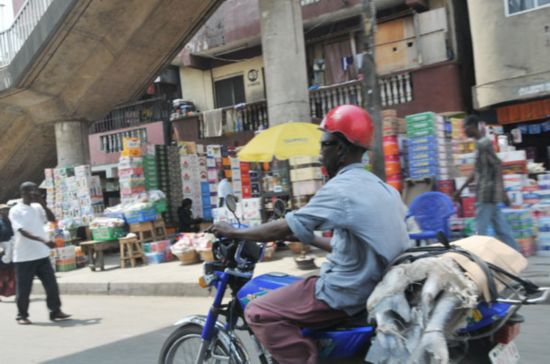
{"type": "Point", "coordinates": [161, 206]}
{"type": "Point", "coordinates": [107, 233]}
{"type": "Point", "coordinates": [141, 216]}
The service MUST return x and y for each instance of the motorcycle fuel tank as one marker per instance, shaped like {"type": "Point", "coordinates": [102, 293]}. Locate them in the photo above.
{"type": "Point", "coordinates": [262, 284]}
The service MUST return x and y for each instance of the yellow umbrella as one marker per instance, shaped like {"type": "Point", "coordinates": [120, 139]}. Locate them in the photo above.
{"type": "Point", "coordinates": [282, 142]}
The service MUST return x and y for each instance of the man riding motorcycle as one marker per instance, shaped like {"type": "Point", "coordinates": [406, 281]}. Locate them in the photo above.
{"type": "Point", "coordinates": [367, 220]}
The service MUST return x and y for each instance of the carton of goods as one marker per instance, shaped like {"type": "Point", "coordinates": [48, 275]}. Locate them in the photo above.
{"type": "Point", "coordinates": [417, 164]}
{"type": "Point", "coordinates": [83, 171]}
{"type": "Point", "coordinates": [136, 217]}
{"type": "Point", "coordinates": [411, 119]}
{"type": "Point", "coordinates": [130, 162]}
{"type": "Point", "coordinates": [298, 161]}
{"type": "Point", "coordinates": [302, 188]}
{"type": "Point", "coordinates": [392, 168]}
{"type": "Point", "coordinates": [65, 267]}
{"type": "Point", "coordinates": [67, 252]}
{"type": "Point", "coordinates": [423, 148]}
{"type": "Point", "coordinates": [304, 174]}
{"type": "Point", "coordinates": [107, 233]}
{"type": "Point", "coordinates": [131, 182]}
{"type": "Point", "coordinates": [390, 145]}
{"type": "Point", "coordinates": [155, 257]}
{"type": "Point", "coordinates": [132, 191]}
{"type": "Point", "coordinates": [428, 139]}
{"type": "Point", "coordinates": [423, 172]}
{"type": "Point", "coordinates": [130, 153]}
{"type": "Point", "coordinates": [428, 154]}
{"type": "Point", "coordinates": [468, 207]}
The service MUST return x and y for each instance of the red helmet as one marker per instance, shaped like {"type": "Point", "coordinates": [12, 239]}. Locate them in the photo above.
{"type": "Point", "coordinates": [353, 122]}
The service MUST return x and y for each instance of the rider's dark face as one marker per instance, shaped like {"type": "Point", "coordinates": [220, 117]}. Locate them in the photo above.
{"type": "Point", "coordinates": [330, 146]}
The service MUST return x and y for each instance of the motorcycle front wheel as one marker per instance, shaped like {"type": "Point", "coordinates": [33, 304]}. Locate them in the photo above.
{"type": "Point", "coordinates": [183, 345]}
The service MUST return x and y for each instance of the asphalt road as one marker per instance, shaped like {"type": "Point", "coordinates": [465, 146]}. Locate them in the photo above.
{"type": "Point", "coordinates": [122, 329]}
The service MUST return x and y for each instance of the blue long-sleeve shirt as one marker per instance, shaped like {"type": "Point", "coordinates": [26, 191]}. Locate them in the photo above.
{"type": "Point", "coordinates": [368, 222]}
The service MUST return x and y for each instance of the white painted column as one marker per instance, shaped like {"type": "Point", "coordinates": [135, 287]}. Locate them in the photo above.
{"type": "Point", "coordinates": [284, 57]}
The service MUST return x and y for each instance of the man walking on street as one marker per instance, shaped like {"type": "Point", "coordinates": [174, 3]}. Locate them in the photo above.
{"type": "Point", "coordinates": [489, 186]}
{"type": "Point", "coordinates": [31, 253]}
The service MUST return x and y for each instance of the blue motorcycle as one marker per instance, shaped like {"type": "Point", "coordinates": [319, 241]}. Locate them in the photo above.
{"type": "Point", "coordinates": [210, 339]}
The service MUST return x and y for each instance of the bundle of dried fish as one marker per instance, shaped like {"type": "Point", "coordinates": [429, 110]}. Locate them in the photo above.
{"type": "Point", "coordinates": [415, 306]}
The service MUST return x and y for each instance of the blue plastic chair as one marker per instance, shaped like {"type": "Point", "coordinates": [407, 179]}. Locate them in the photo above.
{"type": "Point", "coordinates": [432, 211]}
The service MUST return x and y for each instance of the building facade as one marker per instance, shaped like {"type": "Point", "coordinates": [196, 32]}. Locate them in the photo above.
{"type": "Point", "coordinates": [422, 57]}
{"type": "Point", "coordinates": [512, 70]}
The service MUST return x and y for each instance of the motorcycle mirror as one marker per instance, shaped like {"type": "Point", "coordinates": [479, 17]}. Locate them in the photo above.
{"type": "Point", "coordinates": [231, 203]}
{"type": "Point", "coordinates": [279, 208]}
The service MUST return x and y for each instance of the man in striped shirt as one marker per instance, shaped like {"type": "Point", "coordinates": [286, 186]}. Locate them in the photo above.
{"type": "Point", "coordinates": [489, 186]}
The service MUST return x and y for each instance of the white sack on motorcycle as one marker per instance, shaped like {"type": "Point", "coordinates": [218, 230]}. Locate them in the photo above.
{"type": "Point", "coordinates": [417, 305]}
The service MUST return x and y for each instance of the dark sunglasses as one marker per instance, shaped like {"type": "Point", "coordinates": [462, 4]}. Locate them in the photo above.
{"type": "Point", "coordinates": [328, 143]}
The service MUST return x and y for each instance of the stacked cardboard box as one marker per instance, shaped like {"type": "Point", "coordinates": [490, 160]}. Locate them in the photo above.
{"type": "Point", "coordinates": [430, 154]}
{"type": "Point", "coordinates": [306, 178]}
{"type": "Point", "coordinates": [131, 178]}
{"type": "Point", "coordinates": [246, 180]}
{"type": "Point", "coordinates": [172, 171]}
{"type": "Point", "coordinates": [394, 162]}
{"type": "Point", "coordinates": [190, 181]}
{"type": "Point", "coordinates": [214, 164]}
{"type": "Point", "coordinates": [73, 193]}
{"type": "Point", "coordinates": [65, 259]}
{"type": "Point", "coordinates": [236, 178]}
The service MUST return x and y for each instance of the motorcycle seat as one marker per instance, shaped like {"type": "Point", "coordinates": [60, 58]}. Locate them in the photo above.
{"type": "Point", "coordinates": [360, 319]}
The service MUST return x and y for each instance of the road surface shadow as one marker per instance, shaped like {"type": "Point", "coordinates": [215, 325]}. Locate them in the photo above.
{"type": "Point", "coordinates": [141, 349]}
{"type": "Point", "coordinates": [70, 322]}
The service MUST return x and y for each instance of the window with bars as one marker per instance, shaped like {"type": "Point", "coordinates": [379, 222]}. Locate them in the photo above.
{"type": "Point", "coordinates": [113, 143]}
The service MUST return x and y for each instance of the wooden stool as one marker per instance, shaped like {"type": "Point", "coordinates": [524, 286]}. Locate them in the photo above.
{"type": "Point", "coordinates": [144, 231]}
{"type": "Point", "coordinates": [131, 249]}
{"type": "Point", "coordinates": [95, 249]}
{"type": "Point", "coordinates": [159, 229]}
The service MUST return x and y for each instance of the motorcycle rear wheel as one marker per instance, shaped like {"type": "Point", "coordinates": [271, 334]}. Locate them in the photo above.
{"type": "Point", "coordinates": [183, 345]}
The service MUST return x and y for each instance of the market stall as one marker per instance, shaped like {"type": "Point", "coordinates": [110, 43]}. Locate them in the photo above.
{"type": "Point", "coordinates": [433, 147]}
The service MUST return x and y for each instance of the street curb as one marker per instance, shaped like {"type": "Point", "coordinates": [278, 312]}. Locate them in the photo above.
{"type": "Point", "coordinates": [127, 289]}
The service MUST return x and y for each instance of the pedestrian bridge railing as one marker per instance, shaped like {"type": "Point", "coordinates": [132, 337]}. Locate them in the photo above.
{"type": "Point", "coordinates": [13, 38]}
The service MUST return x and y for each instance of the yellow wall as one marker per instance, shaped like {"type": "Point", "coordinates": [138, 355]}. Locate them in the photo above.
{"type": "Point", "coordinates": [196, 86]}
{"type": "Point", "coordinates": [253, 90]}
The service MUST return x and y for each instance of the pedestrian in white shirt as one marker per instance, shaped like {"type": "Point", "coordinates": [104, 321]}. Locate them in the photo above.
{"type": "Point", "coordinates": [31, 253]}
{"type": "Point", "coordinates": [224, 188]}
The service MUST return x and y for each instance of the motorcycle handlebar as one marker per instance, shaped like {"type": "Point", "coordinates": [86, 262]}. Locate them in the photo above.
{"type": "Point", "coordinates": [523, 300]}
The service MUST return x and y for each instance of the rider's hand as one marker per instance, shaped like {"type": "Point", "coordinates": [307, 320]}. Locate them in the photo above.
{"type": "Point", "coordinates": [222, 229]}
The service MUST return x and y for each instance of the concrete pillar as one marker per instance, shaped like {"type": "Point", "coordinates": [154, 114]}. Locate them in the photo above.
{"type": "Point", "coordinates": [284, 57]}
{"type": "Point", "coordinates": [71, 139]}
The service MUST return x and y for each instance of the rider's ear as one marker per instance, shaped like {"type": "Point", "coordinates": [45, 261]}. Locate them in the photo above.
{"type": "Point", "coordinates": [342, 151]}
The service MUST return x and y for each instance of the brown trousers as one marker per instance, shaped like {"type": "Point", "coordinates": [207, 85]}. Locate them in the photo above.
{"type": "Point", "coordinates": [277, 317]}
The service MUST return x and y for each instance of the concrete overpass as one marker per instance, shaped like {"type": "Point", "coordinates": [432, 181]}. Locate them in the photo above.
{"type": "Point", "coordinates": [65, 63]}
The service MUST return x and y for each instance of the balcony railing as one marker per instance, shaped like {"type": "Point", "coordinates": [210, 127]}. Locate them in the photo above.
{"type": "Point", "coordinates": [241, 117]}
{"type": "Point", "coordinates": [394, 89]}
{"type": "Point", "coordinates": [327, 97]}
{"type": "Point", "coordinates": [130, 115]}
{"type": "Point", "coordinates": [13, 38]}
